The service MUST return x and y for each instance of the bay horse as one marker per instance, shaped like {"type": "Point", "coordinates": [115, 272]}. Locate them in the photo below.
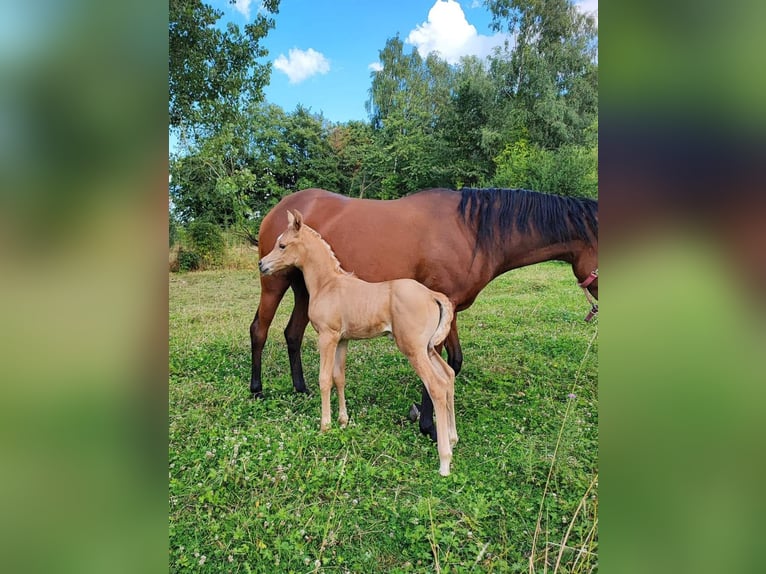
{"type": "Point", "coordinates": [343, 307]}
{"type": "Point", "coordinates": [481, 233]}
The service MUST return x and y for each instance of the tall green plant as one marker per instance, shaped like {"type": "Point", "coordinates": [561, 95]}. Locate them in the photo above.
{"type": "Point", "coordinates": [207, 241]}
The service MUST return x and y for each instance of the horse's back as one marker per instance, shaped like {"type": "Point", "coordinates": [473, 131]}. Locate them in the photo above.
{"type": "Point", "coordinates": [378, 240]}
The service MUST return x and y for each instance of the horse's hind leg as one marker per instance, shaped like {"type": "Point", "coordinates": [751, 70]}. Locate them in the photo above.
{"type": "Point", "coordinates": [296, 327]}
{"type": "Point", "coordinates": [339, 377]}
{"type": "Point", "coordinates": [272, 290]}
{"type": "Point", "coordinates": [454, 350]}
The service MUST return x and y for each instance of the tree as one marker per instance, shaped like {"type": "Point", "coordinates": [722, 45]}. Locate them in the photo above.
{"type": "Point", "coordinates": [212, 72]}
{"type": "Point", "coordinates": [550, 78]}
{"type": "Point", "coordinates": [406, 98]}
{"type": "Point", "coordinates": [466, 158]}
{"type": "Point", "coordinates": [352, 144]}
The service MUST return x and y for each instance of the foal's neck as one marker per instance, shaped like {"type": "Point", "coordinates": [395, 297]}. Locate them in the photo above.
{"type": "Point", "coordinates": [320, 265]}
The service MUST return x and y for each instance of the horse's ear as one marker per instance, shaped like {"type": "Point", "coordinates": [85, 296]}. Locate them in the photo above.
{"type": "Point", "coordinates": [297, 219]}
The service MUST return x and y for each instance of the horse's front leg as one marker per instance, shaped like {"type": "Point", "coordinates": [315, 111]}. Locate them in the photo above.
{"type": "Point", "coordinates": [272, 290]}
{"type": "Point", "coordinates": [454, 360]}
{"type": "Point", "coordinates": [328, 344]}
{"type": "Point", "coordinates": [296, 327]}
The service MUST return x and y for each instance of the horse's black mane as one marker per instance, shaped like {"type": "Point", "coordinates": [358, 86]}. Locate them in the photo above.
{"type": "Point", "coordinates": [494, 213]}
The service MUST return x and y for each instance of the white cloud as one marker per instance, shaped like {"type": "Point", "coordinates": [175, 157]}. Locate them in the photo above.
{"type": "Point", "coordinates": [299, 65]}
{"type": "Point", "coordinates": [448, 32]}
{"type": "Point", "coordinates": [243, 7]}
{"type": "Point", "coordinates": [588, 7]}
{"type": "Point", "coordinates": [375, 66]}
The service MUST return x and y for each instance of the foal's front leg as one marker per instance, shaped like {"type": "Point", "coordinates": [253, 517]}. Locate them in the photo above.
{"type": "Point", "coordinates": [328, 343]}
{"type": "Point", "coordinates": [339, 376]}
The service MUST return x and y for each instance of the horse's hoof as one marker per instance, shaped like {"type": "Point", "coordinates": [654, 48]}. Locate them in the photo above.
{"type": "Point", "coordinates": [256, 395]}
{"type": "Point", "coordinates": [429, 432]}
{"type": "Point", "coordinates": [414, 413]}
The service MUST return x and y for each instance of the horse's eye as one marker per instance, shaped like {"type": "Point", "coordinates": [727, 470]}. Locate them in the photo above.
{"type": "Point", "coordinates": [282, 246]}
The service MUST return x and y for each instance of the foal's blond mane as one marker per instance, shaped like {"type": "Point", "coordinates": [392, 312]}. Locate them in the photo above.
{"type": "Point", "coordinates": [336, 263]}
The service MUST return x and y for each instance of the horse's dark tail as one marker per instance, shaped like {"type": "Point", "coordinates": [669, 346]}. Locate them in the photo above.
{"type": "Point", "coordinates": [446, 312]}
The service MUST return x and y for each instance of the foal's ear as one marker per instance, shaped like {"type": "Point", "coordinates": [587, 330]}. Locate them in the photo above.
{"type": "Point", "coordinates": [297, 220]}
{"type": "Point", "coordinates": [294, 219]}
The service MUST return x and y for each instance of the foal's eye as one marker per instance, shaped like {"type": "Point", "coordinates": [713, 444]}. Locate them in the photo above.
{"type": "Point", "coordinates": [282, 246]}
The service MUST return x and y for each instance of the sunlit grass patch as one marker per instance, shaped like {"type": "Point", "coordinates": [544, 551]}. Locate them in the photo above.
{"type": "Point", "coordinates": [254, 486]}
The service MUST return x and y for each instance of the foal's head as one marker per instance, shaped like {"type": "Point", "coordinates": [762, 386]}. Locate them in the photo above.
{"type": "Point", "coordinates": [289, 249]}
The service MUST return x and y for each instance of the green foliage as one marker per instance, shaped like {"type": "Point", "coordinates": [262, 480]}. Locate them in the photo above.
{"type": "Point", "coordinates": [550, 78]}
{"type": "Point", "coordinates": [570, 170]}
{"type": "Point", "coordinates": [524, 117]}
{"type": "Point", "coordinates": [213, 72]}
{"type": "Point", "coordinates": [172, 230]}
{"type": "Point", "coordinates": [254, 486]}
{"type": "Point", "coordinates": [207, 242]}
{"type": "Point", "coordinates": [188, 260]}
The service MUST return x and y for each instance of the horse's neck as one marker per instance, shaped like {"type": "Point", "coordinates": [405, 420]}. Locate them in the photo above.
{"type": "Point", "coordinates": [530, 252]}
{"type": "Point", "coordinates": [320, 266]}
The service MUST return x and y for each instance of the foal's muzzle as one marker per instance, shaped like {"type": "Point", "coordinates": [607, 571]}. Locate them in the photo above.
{"type": "Point", "coordinates": [262, 268]}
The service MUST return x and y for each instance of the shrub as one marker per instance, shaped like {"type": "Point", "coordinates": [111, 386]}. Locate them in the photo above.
{"type": "Point", "coordinates": [207, 241]}
{"type": "Point", "coordinates": [188, 260]}
{"type": "Point", "coordinates": [569, 170]}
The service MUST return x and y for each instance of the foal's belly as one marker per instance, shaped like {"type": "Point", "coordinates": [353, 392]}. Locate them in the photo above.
{"type": "Point", "coordinates": [360, 330]}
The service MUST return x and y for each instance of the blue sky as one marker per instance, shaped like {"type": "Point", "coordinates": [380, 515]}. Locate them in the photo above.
{"type": "Point", "coordinates": [323, 51]}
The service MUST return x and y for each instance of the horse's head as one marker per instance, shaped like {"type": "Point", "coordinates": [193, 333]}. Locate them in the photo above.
{"type": "Point", "coordinates": [288, 249]}
{"type": "Point", "coordinates": [585, 267]}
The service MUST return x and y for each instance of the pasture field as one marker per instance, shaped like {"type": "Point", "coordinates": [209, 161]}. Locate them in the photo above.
{"type": "Point", "coordinates": [255, 487]}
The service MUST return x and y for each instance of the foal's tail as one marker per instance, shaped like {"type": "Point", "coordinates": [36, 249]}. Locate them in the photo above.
{"type": "Point", "coordinates": [446, 312]}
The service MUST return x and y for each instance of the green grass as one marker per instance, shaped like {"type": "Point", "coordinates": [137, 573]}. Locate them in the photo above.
{"type": "Point", "coordinates": [255, 487]}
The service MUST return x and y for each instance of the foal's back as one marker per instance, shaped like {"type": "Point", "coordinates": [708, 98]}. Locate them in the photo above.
{"type": "Point", "coordinates": [358, 309]}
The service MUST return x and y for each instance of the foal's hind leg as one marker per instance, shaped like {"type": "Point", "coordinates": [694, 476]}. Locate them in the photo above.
{"type": "Point", "coordinates": [437, 388]}
{"type": "Point", "coordinates": [273, 288]}
{"type": "Point", "coordinates": [339, 377]}
{"type": "Point", "coordinates": [448, 377]}
{"type": "Point", "coordinates": [455, 360]}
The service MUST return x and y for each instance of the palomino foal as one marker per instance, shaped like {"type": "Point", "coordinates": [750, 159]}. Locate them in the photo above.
{"type": "Point", "coordinates": [343, 307]}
